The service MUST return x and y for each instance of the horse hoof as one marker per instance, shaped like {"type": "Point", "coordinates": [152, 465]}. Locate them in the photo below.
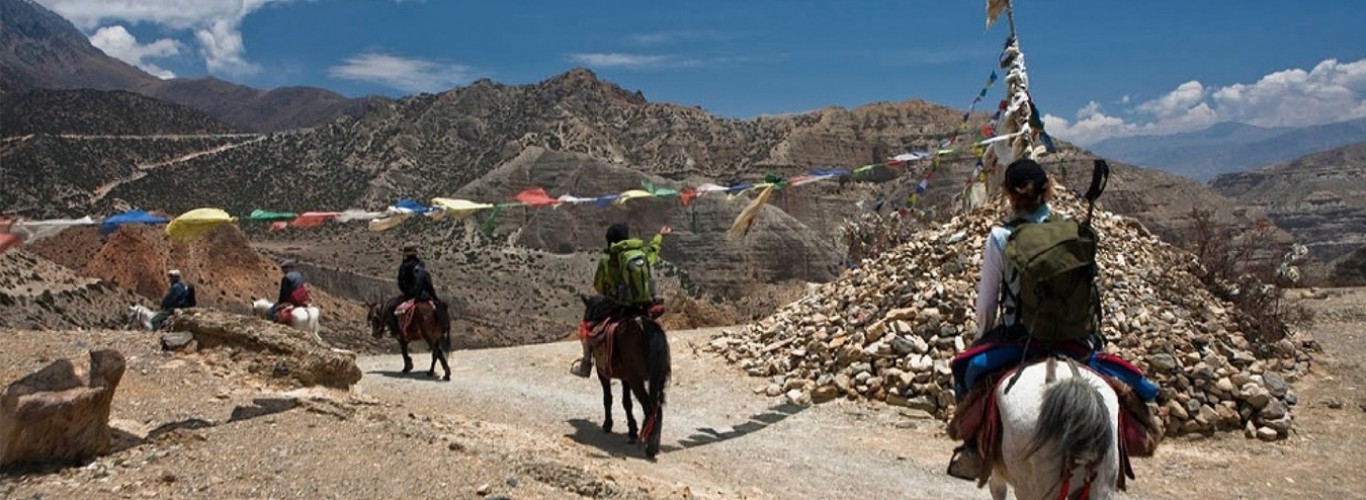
{"type": "Point", "coordinates": [407, 369]}
{"type": "Point", "coordinates": [607, 427]}
{"type": "Point", "coordinates": [446, 378]}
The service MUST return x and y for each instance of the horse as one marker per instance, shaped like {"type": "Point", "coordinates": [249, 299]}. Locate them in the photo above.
{"type": "Point", "coordinates": [301, 318]}
{"type": "Point", "coordinates": [640, 359]}
{"type": "Point", "coordinates": [139, 315]}
{"type": "Point", "coordinates": [1059, 434]}
{"type": "Point", "coordinates": [425, 322]}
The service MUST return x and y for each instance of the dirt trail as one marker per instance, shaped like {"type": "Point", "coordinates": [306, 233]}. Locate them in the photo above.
{"type": "Point", "coordinates": [721, 435]}
{"type": "Point", "coordinates": [143, 169]}
{"type": "Point", "coordinates": [717, 433]}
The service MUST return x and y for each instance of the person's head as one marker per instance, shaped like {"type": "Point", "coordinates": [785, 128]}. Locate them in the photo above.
{"type": "Point", "coordinates": [618, 232]}
{"type": "Point", "coordinates": [410, 250]}
{"type": "Point", "coordinates": [1026, 185]}
{"type": "Point", "coordinates": [173, 275]}
{"type": "Point", "coordinates": [287, 266]}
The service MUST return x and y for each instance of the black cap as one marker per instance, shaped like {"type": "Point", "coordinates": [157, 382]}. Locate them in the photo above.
{"type": "Point", "coordinates": [1024, 171]}
{"type": "Point", "coordinates": [287, 263]}
{"type": "Point", "coordinates": [618, 232]}
{"type": "Point", "coordinates": [410, 249]}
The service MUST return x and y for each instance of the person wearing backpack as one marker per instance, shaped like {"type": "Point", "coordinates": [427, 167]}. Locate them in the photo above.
{"type": "Point", "coordinates": [624, 276]}
{"type": "Point", "coordinates": [180, 295]}
{"type": "Point", "coordinates": [1009, 284]}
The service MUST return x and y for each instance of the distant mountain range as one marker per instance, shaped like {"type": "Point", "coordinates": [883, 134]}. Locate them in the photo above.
{"type": "Point", "coordinates": [1229, 147]}
{"type": "Point", "coordinates": [1320, 198]}
{"type": "Point", "coordinates": [40, 49]}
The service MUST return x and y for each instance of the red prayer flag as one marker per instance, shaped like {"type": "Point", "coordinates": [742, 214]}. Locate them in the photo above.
{"type": "Point", "coordinates": [8, 241]}
{"type": "Point", "coordinates": [688, 196]}
{"type": "Point", "coordinates": [313, 219]}
{"type": "Point", "coordinates": [535, 197]}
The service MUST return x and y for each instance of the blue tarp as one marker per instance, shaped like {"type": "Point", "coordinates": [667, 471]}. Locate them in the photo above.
{"type": "Point", "coordinates": [112, 223]}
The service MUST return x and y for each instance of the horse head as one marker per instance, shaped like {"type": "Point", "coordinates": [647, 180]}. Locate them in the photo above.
{"type": "Point", "coordinates": [375, 316]}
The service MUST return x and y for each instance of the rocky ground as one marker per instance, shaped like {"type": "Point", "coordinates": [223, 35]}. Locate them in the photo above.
{"type": "Point", "coordinates": [513, 423]}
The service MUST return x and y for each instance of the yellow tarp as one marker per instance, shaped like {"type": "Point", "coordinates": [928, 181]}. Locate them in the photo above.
{"type": "Point", "coordinates": [196, 223]}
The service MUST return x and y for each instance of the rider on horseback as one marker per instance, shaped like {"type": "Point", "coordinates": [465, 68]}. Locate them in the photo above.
{"type": "Point", "coordinates": [179, 296]}
{"type": "Point", "coordinates": [415, 283]}
{"type": "Point", "coordinates": [610, 282]}
{"type": "Point", "coordinates": [293, 292]}
{"type": "Point", "coordinates": [1063, 315]}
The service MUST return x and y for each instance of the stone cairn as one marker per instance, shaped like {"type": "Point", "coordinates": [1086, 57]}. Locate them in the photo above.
{"type": "Point", "coordinates": [888, 329]}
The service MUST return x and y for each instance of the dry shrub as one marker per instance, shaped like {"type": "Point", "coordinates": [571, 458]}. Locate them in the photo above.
{"type": "Point", "coordinates": [1251, 270]}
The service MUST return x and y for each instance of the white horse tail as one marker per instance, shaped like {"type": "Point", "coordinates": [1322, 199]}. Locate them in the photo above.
{"type": "Point", "coordinates": [1075, 422]}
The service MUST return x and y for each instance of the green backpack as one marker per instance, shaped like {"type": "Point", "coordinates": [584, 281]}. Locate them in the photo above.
{"type": "Point", "coordinates": [1055, 261]}
{"type": "Point", "coordinates": [635, 285]}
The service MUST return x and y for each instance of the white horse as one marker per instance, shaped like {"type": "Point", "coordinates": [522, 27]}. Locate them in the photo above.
{"type": "Point", "coordinates": [302, 318]}
{"type": "Point", "coordinates": [1057, 433]}
{"type": "Point", "coordinates": [139, 315]}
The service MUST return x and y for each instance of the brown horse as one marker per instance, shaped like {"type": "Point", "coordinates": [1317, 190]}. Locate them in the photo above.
{"type": "Point", "coordinates": [640, 359]}
{"type": "Point", "coordinates": [424, 322]}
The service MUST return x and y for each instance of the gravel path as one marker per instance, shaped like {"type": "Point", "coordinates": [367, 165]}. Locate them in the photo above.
{"type": "Point", "coordinates": [718, 433]}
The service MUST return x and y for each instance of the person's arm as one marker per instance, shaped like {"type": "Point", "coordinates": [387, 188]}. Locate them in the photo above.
{"type": "Point", "coordinates": [656, 244]}
{"type": "Point", "coordinates": [425, 278]}
{"type": "Point", "coordinates": [284, 290]}
{"type": "Point", "coordinates": [989, 285]}
{"type": "Point", "coordinates": [602, 281]}
{"type": "Point", "coordinates": [174, 297]}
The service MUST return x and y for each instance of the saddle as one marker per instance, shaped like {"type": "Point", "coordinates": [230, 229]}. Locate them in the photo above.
{"type": "Point", "coordinates": [404, 311]}
{"type": "Point", "coordinates": [285, 314]}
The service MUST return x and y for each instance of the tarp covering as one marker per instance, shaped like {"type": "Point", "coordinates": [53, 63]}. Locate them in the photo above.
{"type": "Point", "coordinates": [196, 223]}
{"type": "Point", "coordinates": [113, 222]}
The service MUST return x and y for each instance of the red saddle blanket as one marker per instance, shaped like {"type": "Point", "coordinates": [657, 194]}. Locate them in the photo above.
{"type": "Point", "coordinates": [285, 314]}
{"type": "Point", "coordinates": [404, 311]}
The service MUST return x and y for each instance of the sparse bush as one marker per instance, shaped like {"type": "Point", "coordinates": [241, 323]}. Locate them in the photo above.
{"type": "Point", "coordinates": [1236, 267]}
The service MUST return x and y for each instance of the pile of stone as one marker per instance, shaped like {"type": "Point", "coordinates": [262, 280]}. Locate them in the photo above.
{"type": "Point", "coordinates": [888, 329]}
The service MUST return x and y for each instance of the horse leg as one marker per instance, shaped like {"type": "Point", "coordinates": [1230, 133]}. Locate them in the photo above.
{"type": "Point", "coordinates": [607, 403]}
{"type": "Point", "coordinates": [442, 355]}
{"type": "Point", "coordinates": [407, 361]}
{"type": "Point", "coordinates": [643, 395]}
{"type": "Point", "coordinates": [997, 485]}
{"type": "Point", "coordinates": [436, 353]}
{"type": "Point", "coordinates": [632, 430]}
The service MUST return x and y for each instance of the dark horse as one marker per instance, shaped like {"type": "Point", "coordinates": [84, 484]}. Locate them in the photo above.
{"type": "Point", "coordinates": [640, 359]}
{"type": "Point", "coordinates": [424, 322]}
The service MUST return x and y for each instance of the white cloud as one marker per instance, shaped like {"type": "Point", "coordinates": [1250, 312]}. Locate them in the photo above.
{"type": "Point", "coordinates": [117, 42]}
{"type": "Point", "coordinates": [215, 24]}
{"type": "Point", "coordinates": [620, 60]}
{"type": "Point", "coordinates": [403, 73]}
{"type": "Point", "coordinates": [1330, 92]}
{"type": "Point", "coordinates": [641, 61]}
{"type": "Point", "coordinates": [674, 36]}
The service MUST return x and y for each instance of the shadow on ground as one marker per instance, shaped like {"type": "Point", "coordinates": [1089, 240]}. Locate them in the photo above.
{"type": "Point", "coordinates": [589, 433]}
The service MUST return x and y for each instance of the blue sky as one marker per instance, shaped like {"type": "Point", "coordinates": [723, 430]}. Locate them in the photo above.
{"type": "Point", "coordinates": [1100, 68]}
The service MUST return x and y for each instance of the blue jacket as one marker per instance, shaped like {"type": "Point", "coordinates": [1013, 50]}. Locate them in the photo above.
{"type": "Point", "coordinates": [178, 297]}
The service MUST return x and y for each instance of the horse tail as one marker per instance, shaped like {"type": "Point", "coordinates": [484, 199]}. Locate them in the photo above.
{"type": "Point", "coordinates": [661, 364]}
{"type": "Point", "coordinates": [1075, 420]}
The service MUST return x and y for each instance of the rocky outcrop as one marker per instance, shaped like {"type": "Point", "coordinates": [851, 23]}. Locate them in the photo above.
{"type": "Point", "coordinates": [36, 293]}
{"type": "Point", "coordinates": [269, 350]}
{"type": "Point", "coordinates": [888, 330]}
{"type": "Point", "coordinates": [1320, 198]}
{"type": "Point", "coordinates": [61, 412]}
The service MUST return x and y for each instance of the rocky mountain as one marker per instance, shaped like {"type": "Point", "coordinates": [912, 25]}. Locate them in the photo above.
{"type": "Point", "coordinates": [1229, 147]}
{"type": "Point", "coordinates": [100, 112]}
{"type": "Point", "coordinates": [36, 293]}
{"type": "Point", "coordinates": [1320, 198]}
{"type": "Point", "coordinates": [40, 49]}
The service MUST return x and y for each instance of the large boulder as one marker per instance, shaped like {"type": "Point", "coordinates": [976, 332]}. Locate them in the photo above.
{"type": "Point", "coordinates": [61, 412]}
{"type": "Point", "coordinates": [271, 350]}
